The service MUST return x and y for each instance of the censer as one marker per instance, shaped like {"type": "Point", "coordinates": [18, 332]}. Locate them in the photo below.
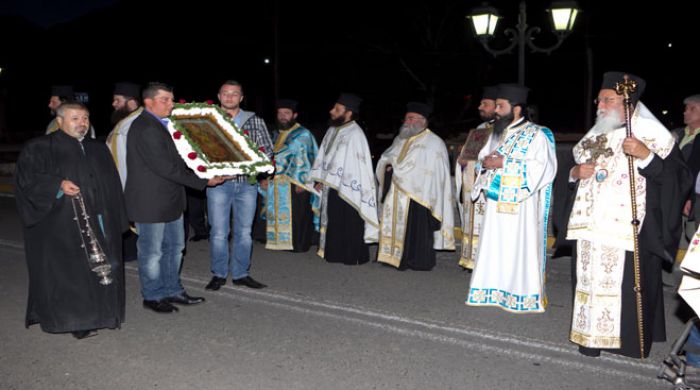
{"type": "Point", "coordinates": [97, 260]}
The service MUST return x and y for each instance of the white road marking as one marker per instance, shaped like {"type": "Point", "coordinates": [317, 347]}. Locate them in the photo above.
{"type": "Point", "coordinates": [483, 341]}
{"type": "Point", "coordinates": [470, 338]}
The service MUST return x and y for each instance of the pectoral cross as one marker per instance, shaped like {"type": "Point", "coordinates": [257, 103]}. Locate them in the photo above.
{"type": "Point", "coordinates": [597, 148]}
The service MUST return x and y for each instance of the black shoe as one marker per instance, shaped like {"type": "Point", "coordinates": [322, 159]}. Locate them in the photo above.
{"type": "Point", "coordinates": [592, 352]}
{"type": "Point", "coordinates": [83, 334]}
{"type": "Point", "coordinates": [215, 283]}
{"type": "Point", "coordinates": [248, 282]}
{"type": "Point", "coordinates": [200, 237]}
{"type": "Point", "coordinates": [184, 299]}
{"type": "Point", "coordinates": [161, 306]}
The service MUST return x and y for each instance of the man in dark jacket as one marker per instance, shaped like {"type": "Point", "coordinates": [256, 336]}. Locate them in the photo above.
{"type": "Point", "coordinates": [155, 201]}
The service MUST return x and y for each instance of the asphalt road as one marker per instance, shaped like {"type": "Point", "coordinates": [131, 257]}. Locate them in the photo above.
{"type": "Point", "coordinates": [318, 326]}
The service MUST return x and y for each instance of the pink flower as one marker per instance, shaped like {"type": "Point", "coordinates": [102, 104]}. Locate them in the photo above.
{"type": "Point", "coordinates": [210, 102]}
{"type": "Point", "coordinates": [182, 101]}
{"type": "Point", "coordinates": [177, 135]}
{"type": "Point", "coordinates": [192, 155]}
{"type": "Point", "coordinates": [695, 241]}
{"type": "Point", "coordinates": [202, 168]}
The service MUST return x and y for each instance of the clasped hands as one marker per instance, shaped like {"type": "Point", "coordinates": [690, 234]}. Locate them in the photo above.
{"type": "Point", "coordinates": [493, 161]}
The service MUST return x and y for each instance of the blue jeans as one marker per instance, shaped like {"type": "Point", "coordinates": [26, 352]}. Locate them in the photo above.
{"type": "Point", "coordinates": [159, 251]}
{"type": "Point", "coordinates": [693, 358]}
{"type": "Point", "coordinates": [221, 200]}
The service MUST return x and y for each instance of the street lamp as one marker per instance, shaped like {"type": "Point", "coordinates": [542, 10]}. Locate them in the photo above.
{"type": "Point", "coordinates": [484, 20]}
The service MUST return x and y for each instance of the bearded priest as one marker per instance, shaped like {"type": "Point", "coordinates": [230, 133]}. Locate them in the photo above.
{"type": "Point", "coordinates": [516, 178]}
{"type": "Point", "coordinates": [342, 175]}
{"type": "Point", "coordinates": [605, 312]}
{"type": "Point", "coordinates": [288, 204]}
{"type": "Point", "coordinates": [416, 216]}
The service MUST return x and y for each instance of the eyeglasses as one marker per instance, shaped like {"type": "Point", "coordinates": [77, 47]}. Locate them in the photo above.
{"type": "Point", "coordinates": [606, 101]}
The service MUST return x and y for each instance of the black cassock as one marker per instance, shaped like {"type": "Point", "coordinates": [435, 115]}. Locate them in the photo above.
{"type": "Point", "coordinates": [303, 233]}
{"type": "Point", "coordinates": [345, 233]}
{"type": "Point", "coordinates": [668, 184]}
{"type": "Point", "coordinates": [418, 253]}
{"type": "Point", "coordinates": [64, 294]}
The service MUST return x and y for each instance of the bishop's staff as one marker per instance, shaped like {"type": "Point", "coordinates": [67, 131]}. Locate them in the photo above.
{"type": "Point", "coordinates": [627, 88]}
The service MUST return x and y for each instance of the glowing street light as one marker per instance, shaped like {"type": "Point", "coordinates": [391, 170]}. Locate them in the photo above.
{"type": "Point", "coordinates": [485, 19]}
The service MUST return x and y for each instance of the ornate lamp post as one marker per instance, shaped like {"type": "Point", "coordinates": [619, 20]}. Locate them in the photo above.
{"type": "Point", "coordinates": [484, 20]}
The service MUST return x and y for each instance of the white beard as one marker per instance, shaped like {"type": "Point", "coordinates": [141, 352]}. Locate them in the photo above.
{"type": "Point", "coordinates": [408, 131]}
{"type": "Point", "coordinates": [606, 121]}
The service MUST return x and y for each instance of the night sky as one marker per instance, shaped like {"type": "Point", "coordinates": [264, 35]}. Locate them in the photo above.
{"type": "Point", "coordinates": [387, 52]}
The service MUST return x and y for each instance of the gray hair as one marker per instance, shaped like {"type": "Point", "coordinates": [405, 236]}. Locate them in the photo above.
{"type": "Point", "coordinates": [70, 105]}
{"type": "Point", "coordinates": [692, 99]}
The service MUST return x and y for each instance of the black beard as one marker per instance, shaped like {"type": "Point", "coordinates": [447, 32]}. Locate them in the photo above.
{"type": "Point", "coordinates": [339, 121]}
{"type": "Point", "coordinates": [287, 125]}
{"type": "Point", "coordinates": [501, 123]}
{"type": "Point", "coordinates": [486, 118]}
{"type": "Point", "coordinates": [118, 115]}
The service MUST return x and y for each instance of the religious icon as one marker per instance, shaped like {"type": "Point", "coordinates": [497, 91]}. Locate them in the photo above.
{"type": "Point", "coordinates": [211, 144]}
{"type": "Point", "coordinates": [476, 140]}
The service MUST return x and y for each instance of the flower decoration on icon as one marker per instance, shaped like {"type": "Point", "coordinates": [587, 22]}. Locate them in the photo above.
{"type": "Point", "coordinates": [211, 144]}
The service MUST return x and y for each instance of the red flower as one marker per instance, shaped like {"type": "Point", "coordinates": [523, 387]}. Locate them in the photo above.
{"type": "Point", "coordinates": [262, 149]}
{"type": "Point", "coordinates": [182, 101]}
{"type": "Point", "coordinates": [246, 132]}
{"type": "Point", "coordinates": [210, 102]}
{"type": "Point", "coordinates": [192, 155]}
{"type": "Point", "coordinates": [177, 135]}
{"type": "Point", "coordinates": [202, 168]}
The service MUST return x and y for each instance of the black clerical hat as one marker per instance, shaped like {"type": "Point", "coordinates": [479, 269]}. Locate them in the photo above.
{"type": "Point", "coordinates": [490, 92]}
{"type": "Point", "coordinates": [63, 91]}
{"type": "Point", "coordinates": [610, 79]}
{"type": "Point", "coordinates": [350, 101]}
{"type": "Point", "coordinates": [419, 108]}
{"type": "Point", "coordinates": [287, 103]}
{"type": "Point", "coordinates": [514, 93]}
{"type": "Point", "coordinates": [127, 89]}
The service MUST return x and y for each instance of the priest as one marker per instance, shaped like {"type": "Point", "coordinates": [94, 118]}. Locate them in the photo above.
{"type": "Point", "coordinates": [59, 95]}
{"type": "Point", "coordinates": [127, 108]}
{"type": "Point", "coordinates": [605, 311]}
{"type": "Point", "coordinates": [472, 212]}
{"type": "Point", "coordinates": [416, 213]}
{"type": "Point", "coordinates": [516, 179]}
{"type": "Point", "coordinates": [288, 203]}
{"type": "Point", "coordinates": [342, 174]}
{"type": "Point", "coordinates": [64, 294]}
